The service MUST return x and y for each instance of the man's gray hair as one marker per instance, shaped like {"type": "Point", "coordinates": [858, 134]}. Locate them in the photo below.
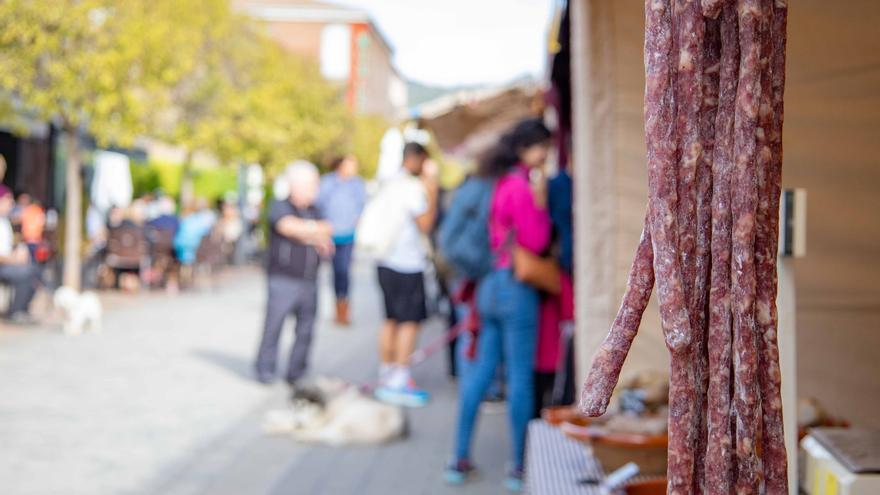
{"type": "Point", "coordinates": [298, 170]}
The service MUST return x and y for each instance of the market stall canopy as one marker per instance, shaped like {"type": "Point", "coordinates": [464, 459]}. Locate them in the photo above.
{"type": "Point", "coordinates": [468, 122]}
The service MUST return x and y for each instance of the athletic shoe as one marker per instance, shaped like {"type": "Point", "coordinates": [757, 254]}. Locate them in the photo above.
{"type": "Point", "coordinates": [459, 472]}
{"type": "Point", "coordinates": [404, 397]}
{"type": "Point", "coordinates": [514, 480]}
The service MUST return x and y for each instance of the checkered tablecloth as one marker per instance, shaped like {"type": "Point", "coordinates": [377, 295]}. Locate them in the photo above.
{"type": "Point", "coordinates": [556, 464]}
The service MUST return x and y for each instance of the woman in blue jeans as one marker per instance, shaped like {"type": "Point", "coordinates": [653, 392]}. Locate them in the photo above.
{"type": "Point", "coordinates": [341, 202]}
{"type": "Point", "coordinates": [508, 308]}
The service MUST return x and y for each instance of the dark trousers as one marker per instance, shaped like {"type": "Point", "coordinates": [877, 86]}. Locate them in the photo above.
{"type": "Point", "coordinates": [288, 296]}
{"type": "Point", "coordinates": [342, 269]}
{"type": "Point", "coordinates": [23, 279]}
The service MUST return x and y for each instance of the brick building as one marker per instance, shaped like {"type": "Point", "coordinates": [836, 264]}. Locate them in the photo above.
{"type": "Point", "coordinates": [346, 45]}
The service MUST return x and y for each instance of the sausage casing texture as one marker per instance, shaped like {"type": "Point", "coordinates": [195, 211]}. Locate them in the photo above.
{"type": "Point", "coordinates": [744, 198]}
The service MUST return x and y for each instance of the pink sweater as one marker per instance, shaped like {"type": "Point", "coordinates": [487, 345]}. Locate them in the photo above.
{"type": "Point", "coordinates": [514, 209]}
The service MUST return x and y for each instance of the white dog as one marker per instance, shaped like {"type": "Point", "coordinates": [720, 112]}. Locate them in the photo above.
{"type": "Point", "coordinates": [82, 311]}
{"type": "Point", "coordinates": [332, 412]}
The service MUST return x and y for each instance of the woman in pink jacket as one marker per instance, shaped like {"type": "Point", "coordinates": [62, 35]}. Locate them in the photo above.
{"type": "Point", "coordinates": [508, 308]}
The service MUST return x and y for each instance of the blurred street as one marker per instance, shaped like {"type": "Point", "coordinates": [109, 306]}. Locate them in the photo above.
{"type": "Point", "coordinates": [163, 402]}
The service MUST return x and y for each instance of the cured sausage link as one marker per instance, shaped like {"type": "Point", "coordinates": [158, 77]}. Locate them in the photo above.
{"type": "Point", "coordinates": [689, 26]}
{"type": "Point", "coordinates": [773, 438]}
{"type": "Point", "coordinates": [719, 461]}
{"type": "Point", "coordinates": [703, 255]}
{"type": "Point", "coordinates": [743, 205]}
{"type": "Point", "coordinates": [711, 8]}
{"type": "Point", "coordinates": [609, 359]}
{"type": "Point", "coordinates": [689, 32]}
{"type": "Point", "coordinates": [659, 117]}
{"type": "Point", "coordinates": [661, 148]}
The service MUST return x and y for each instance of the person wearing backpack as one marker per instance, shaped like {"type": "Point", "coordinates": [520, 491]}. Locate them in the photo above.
{"type": "Point", "coordinates": [463, 238]}
{"type": "Point", "coordinates": [508, 308]}
{"type": "Point", "coordinates": [463, 241]}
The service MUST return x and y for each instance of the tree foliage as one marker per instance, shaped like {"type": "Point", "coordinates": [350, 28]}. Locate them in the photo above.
{"type": "Point", "coordinates": [366, 136]}
{"type": "Point", "coordinates": [277, 107]}
{"type": "Point", "coordinates": [192, 73]}
{"type": "Point", "coordinates": [97, 65]}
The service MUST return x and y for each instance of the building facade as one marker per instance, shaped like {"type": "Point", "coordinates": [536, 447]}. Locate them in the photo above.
{"type": "Point", "coordinates": [346, 45]}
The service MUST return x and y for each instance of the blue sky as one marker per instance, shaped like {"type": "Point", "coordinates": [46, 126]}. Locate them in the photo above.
{"type": "Point", "coordinates": [452, 42]}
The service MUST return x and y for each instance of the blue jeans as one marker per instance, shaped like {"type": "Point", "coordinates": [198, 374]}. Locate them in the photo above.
{"type": "Point", "coordinates": [464, 365]}
{"type": "Point", "coordinates": [509, 317]}
{"type": "Point", "coordinates": [341, 268]}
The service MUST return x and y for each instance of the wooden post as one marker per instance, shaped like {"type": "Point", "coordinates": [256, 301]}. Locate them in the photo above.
{"type": "Point", "coordinates": [72, 211]}
{"type": "Point", "coordinates": [787, 310]}
{"type": "Point", "coordinates": [593, 172]}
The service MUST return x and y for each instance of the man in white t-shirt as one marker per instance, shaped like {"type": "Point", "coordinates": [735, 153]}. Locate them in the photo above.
{"type": "Point", "coordinates": [16, 269]}
{"type": "Point", "coordinates": [401, 277]}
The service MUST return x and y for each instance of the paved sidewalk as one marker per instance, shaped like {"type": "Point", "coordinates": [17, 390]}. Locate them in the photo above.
{"type": "Point", "coordinates": [162, 402]}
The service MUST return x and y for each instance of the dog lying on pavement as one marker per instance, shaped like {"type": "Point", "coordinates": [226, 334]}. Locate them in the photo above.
{"type": "Point", "coordinates": [332, 412]}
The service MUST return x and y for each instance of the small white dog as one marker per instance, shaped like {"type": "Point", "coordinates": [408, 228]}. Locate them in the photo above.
{"type": "Point", "coordinates": [332, 412]}
{"type": "Point", "coordinates": [82, 311]}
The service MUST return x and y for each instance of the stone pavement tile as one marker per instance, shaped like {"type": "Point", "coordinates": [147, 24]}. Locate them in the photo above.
{"type": "Point", "coordinates": [102, 413]}
{"type": "Point", "coordinates": [278, 466]}
{"type": "Point", "coordinates": [410, 465]}
{"type": "Point", "coordinates": [162, 402]}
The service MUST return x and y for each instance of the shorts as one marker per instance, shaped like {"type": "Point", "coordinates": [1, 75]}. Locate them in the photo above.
{"type": "Point", "coordinates": [404, 295]}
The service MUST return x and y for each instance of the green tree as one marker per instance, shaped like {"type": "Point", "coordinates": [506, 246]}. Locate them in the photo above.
{"type": "Point", "coordinates": [278, 107]}
{"type": "Point", "coordinates": [197, 98]}
{"type": "Point", "coordinates": [96, 66]}
{"type": "Point", "coordinates": [366, 136]}
{"type": "Point", "coordinates": [191, 73]}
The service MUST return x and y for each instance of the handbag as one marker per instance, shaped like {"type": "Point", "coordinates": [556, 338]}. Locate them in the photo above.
{"type": "Point", "coordinates": [540, 272]}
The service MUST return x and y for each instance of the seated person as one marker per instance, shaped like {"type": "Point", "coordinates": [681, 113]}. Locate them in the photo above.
{"type": "Point", "coordinates": [167, 218]}
{"type": "Point", "coordinates": [194, 225]}
{"type": "Point", "coordinates": [16, 268]}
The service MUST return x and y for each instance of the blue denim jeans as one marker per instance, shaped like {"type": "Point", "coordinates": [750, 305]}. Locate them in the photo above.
{"type": "Point", "coordinates": [465, 364]}
{"type": "Point", "coordinates": [341, 268]}
{"type": "Point", "coordinates": [509, 317]}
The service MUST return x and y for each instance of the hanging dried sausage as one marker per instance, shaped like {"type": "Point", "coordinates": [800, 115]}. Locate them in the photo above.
{"type": "Point", "coordinates": [773, 438]}
{"type": "Point", "coordinates": [743, 205]}
{"type": "Point", "coordinates": [703, 255]}
{"type": "Point", "coordinates": [719, 461]}
{"type": "Point", "coordinates": [608, 361]}
{"type": "Point", "coordinates": [662, 185]}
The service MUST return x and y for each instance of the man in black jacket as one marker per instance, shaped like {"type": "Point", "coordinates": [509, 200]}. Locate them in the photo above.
{"type": "Point", "coordinates": [297, 241]}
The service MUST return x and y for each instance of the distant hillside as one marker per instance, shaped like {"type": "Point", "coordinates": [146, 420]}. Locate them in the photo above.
{"type": "Point", "coordinates": [420, 93]}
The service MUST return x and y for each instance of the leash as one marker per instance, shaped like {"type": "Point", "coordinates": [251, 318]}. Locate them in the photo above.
{"type": "Point", "coordinates": [422, 354]}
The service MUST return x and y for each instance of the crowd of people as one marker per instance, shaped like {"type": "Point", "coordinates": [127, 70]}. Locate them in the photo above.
{"type": "Point", "coordinates": [22, 252]}
{"type": "Point", "coordinates": [485, 242]}
{"type": "Point", "coordinates": [150, 244]}
{"type": "Point", "coordinates": [146, 243]}
{"type": "Point", "coordinates": [508, 327]}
